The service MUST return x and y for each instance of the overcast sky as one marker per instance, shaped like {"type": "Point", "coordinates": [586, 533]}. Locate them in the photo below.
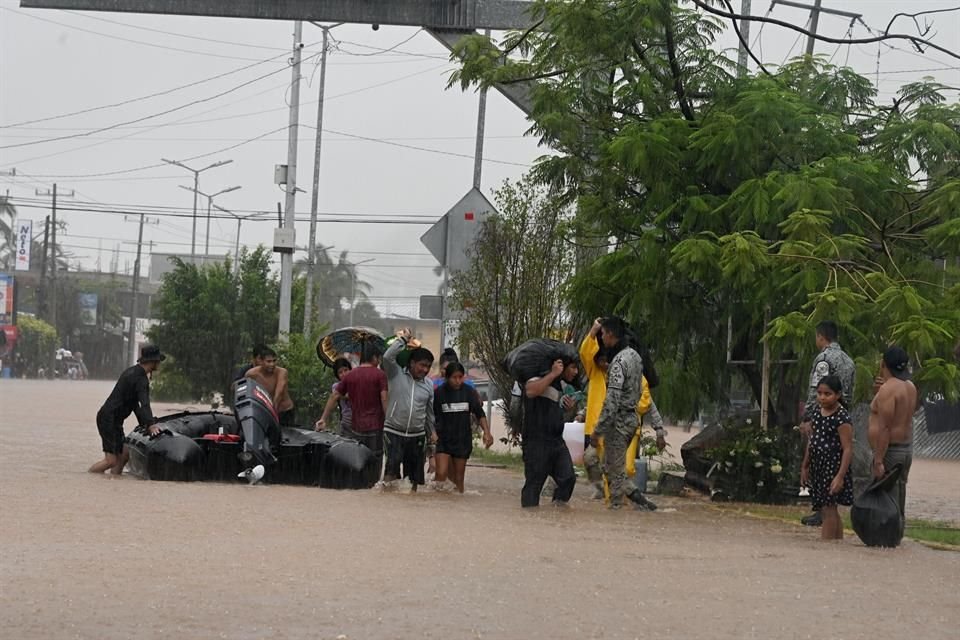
{"type": "Point", "coordinates": [55, 62]}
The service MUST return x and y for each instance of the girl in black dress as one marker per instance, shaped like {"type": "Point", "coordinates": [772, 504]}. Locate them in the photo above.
{"type": "Point", "coordinates": [453, 405]}
{"type": "Point", "coordinates": [826, 462]}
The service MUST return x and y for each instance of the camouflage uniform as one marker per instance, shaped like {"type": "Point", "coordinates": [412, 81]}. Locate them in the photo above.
{"type": "Point", "coordinates": [618, 419]}
{"type": "Point", "coordinates": [831, 361]}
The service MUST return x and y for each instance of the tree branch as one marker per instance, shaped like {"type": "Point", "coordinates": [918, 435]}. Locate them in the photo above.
{"type": "Point", "coordinates": [675, 72]}
{"type": "Point", "coordinates": [916, 41]}
{"type": "Point", "coordinates": [915, 16]}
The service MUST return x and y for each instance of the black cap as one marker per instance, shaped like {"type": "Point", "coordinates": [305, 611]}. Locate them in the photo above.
{"type": "Point", "coordinates": [897, 362]}
{"type": "Point", "coordinates": [151, 353]}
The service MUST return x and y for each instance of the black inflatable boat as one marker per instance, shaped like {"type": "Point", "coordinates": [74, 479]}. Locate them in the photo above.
{"type": "Point", "coordinates": [249, 444]}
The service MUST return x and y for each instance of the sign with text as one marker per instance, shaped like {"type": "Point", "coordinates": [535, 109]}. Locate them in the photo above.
{"type": "Point", "coordinates": [24, 240]}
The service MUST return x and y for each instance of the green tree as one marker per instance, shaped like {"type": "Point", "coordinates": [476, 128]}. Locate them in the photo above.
{"type": "Point", "coordinates": [513, 290]}
{"type": "Point", "coordinates": [714, 200]}
{"type": "Point", "coordinates": [36, 343]}
{"type": "Point", "coordinates": [210, 316]}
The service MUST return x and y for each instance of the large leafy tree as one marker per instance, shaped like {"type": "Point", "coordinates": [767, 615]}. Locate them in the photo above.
{"type": "Point", "coordinates": [717, 202]}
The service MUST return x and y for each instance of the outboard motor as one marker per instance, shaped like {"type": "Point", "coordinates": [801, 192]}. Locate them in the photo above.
{"type": "Point", "coordinates": [259, 428]}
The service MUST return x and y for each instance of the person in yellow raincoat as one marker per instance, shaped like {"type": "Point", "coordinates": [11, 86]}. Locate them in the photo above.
{"type": "Point", "coordinates": [594, 362]}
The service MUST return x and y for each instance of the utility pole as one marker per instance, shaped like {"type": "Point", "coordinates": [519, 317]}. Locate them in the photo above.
{"type": "Point", "coordinates": [481, 124]}
{"type": "Point", "coordinates": [209, 197]}
{"type": "Point", "coordinates": [745, 10]}
{"type": "Point", "coordinates": [286, 259]}
{"type": "Point", "coordinates": [315, 199]}
{"type": "Point", "coordinates": [815, 10]}
{"type": "Point", "coordinates": [814, 23]}
{"type": "Point", "coordinates": [196, 189]}
{"type": "Point", "coordinates": [132, 334]}
{"type": "Point", "coordinates": [53, 249]}
{"type": "Point", "coordinates": [42, 291]}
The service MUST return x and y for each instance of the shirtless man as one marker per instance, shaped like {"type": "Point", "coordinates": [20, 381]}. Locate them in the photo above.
{"type": "Point", "coordinates": [891, 422]}
{"type": "Point", "coordinates": [274, 380]}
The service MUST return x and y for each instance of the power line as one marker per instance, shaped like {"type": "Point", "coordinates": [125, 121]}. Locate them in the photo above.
{"type": "Point", "coordinates": [147, 117]}
{"type": "Point", "coordinates": [128, 25]}
{"type": "Point", "coordinates": [141, 98]}
{"type": "Point", "coordinates": [128, 40]}
{"type": "Point", "coordinates": [379, 51]}
{"type": "Point", "coordinates": [416, 148]}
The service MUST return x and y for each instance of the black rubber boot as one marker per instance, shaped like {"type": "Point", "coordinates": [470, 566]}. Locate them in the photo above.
{"type": "Point", "coordinates": [641, 500]}
{"type": "Point", "coordinates": [812, 520]}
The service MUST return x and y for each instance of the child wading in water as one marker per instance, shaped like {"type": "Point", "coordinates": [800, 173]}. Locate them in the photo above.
{"type": "Point", "coordinates": [828, 455]}
{"type": "Point", "coordinates": [454, 403]}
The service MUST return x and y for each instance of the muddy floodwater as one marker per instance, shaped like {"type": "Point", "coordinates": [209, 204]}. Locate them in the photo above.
{"type": "Point", "coordinates": [93, 557]}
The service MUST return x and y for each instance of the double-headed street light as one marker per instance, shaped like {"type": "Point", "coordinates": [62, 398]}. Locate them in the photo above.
{"type": "Point", "coordinates": [196, 187]}
{"type": "Point", "coordinates": [236, 249]}
{"type": "Point", "coordinates": [209, 197]}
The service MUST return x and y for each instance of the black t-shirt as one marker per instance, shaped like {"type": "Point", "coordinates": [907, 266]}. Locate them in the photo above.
{"type": "Point", "coordinates": [130, 394]}
{"type": "Point", "coordinates": [453, 407]}
{"type": "Point", "coordinates": [543, 416]}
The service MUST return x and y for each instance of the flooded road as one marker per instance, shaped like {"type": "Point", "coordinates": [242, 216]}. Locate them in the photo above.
{"type": "Point", "coordinates": [94, 557]}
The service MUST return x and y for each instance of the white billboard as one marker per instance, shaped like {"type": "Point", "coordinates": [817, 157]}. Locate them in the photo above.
{"type": "Point", "coordinates": [24, 240]}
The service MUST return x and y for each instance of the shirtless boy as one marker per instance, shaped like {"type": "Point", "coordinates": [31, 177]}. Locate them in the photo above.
{"type": "Point", "coordinates": [891, 421]}
{"type": "Point", "coordinates": [275, 380]}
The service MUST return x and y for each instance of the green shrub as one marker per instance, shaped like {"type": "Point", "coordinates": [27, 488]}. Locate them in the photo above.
{"type": "Point", "coordinates": [170, 384]}
{"type": "Point", "coordinates": [310, 380]}
{"type": "Point", "coordinates": [755, 465]}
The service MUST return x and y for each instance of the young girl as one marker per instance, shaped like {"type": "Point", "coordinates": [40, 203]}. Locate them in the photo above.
{"type": "Point", "coordinates": [828, 455]}
{"type": "Point", "coordinates": [453, 404]}
{"type": "Point", "coordinates": [341, 367]}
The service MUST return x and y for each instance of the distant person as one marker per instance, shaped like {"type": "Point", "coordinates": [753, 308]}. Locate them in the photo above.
{"type": "Point", "coordinates": [832, 360]}
{"type": "Point", "coordinates": [454, 404]}
{"type": "Point", "coordinates": [545, 454]}
{"type": "Point", "coordinates": [827, 457]}
{"type": "Point", "coordinates": [890, 430]}
{"type": "Point", "coordinates": [276, 381]}
{"type": "Point", "coordinates": [83, 372]}
{"type": "Point", "coordinates": [409, 424]}
{"type": "Point", "coordinates": [131, 394]}
{"type": "Point", "coordinates": [341, 367]}
{"type": "Point", "coordinates": [365, 388]}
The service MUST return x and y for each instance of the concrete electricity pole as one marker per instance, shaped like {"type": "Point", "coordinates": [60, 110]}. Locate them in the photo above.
{"type": "Point", "coordinates": [53, 249]}
{"type": "Point", "coordinates": [289, 222]}
{"type": "Point", "coordinates": [745, 10]}
{"type": "Point", "coordinates": [209, 197]}
{"type": "Point", "coordinates": [815, 10]}
{"type": "Point", "coordinates": [315, 199]}
{"type": "Point", "coordinates": [196, 189]}
{"type": "Point", "coordinates": [135, 290]}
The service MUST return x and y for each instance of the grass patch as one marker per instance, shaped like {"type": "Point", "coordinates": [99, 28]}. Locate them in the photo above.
{"type": "Point", "coordinates": [512, 461]}
{"type": "Point", "coordinates": [940, 534]}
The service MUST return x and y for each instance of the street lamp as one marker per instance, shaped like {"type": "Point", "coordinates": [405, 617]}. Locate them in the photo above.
{"type": "Point", "coordinates": [236, 249]}
{"type": "Point", "coordinates": [209, 197]}
{"type": "Point", "coordinates": [353, 284]}
{"type": "Point", "coordinates": [196, 187]}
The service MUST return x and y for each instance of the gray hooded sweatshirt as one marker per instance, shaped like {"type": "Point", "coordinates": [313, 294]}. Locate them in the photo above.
{"type": "Point", "coordinates": [409, 401]}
